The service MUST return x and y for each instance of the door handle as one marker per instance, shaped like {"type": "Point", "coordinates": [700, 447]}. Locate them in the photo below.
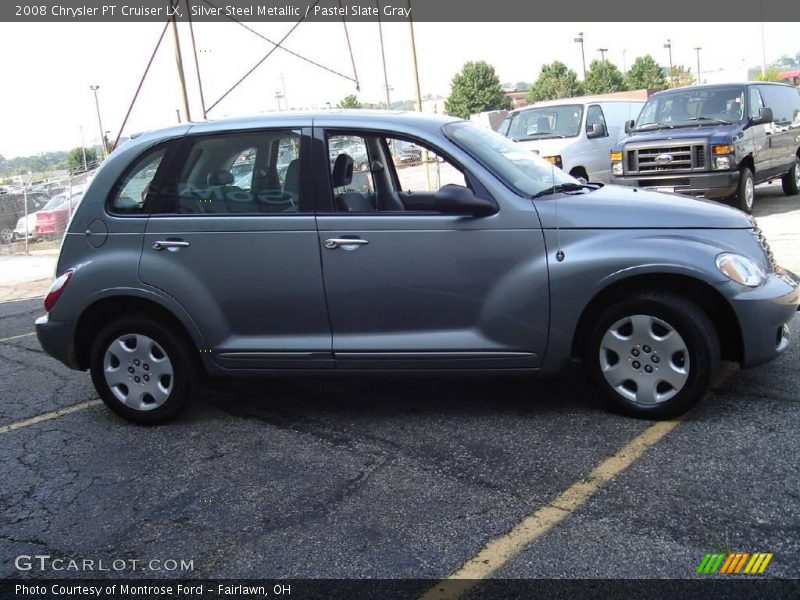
{"type": "Point", "coordinates": [353, 243]}
{"type": "Point", "coordinates": [169, 245]}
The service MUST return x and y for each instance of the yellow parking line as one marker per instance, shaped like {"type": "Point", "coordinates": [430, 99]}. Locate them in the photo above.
{"type": "Point", "coordinates": [502, 549]}
{"type": "Point", "coordinates": [17, 337]}
{"type": "Point", "coordinates": [50, 415]}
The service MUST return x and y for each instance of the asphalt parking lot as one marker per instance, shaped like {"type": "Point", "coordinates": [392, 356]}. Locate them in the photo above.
{"type": "Point", "coordinates": [400, 478]}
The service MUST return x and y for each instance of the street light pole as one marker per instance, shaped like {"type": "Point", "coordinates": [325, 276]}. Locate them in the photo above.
{"type": "Point", "coordinates": [579, 40]}
{"type": "Point", "coordinates": [602, 52]}
{"type": "Point", "coordinates": [668, 46]}
{"type": "Point", "coordinates": [698, 64]}
{"type": "Point", "coordinates": [94, 88]}
{"type": "Point", "coordinates": [83, 147]}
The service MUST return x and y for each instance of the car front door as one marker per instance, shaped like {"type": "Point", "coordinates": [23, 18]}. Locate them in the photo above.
{"type": "Point", "coordinates": [760, 134]}
{"type": "Point", "coordinates": [233, 239]}
{"type": "Point", "coordinates": [409, 287]}
{"type": "Point", "coordinates": [598, 148]}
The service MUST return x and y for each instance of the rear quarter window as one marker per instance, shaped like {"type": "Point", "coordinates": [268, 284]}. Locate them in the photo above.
{"type": "Point", "coordinates": [132, 189]}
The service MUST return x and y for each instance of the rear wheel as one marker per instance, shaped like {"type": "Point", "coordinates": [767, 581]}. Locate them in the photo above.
{"type": "Point", "coordinates": [791, 181]}
{"type": "Point", "coordinates": [143, 370]}
{"type": "Point", "coordinates": [653, 355]}
{"type": "Point", "coordinates": [746, 193]}
{"type": "Point", "coordinates": [6, 235]}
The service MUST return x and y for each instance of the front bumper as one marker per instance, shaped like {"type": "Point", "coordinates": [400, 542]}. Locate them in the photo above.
{"type": "Point", "coordinates": [57, 338]}
{"type": "Point", "coordinates": [764, 314]}
{"type": "Point", "coordinates": [713, 184]}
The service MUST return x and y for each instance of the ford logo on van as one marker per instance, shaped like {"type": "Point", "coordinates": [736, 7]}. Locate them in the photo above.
{"type": "Point", "coordinates": [664, 159]}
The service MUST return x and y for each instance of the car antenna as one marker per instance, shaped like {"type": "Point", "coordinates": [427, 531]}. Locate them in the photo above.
{"type": "Point", "coordinates": [560, 252]}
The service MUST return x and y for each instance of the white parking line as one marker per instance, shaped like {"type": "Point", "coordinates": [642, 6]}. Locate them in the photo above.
{"type": "Point", "coordinates": [50, 415]}
{"type": "Point", "coordinates": [17, 337]}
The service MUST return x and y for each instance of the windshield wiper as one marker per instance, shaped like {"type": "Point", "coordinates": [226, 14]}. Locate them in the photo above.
{"type": "Point", "coordinates": [564, 187]}
{"type": "Point", "coordinates": [542, 136]}
{"type": "Point", "coordinates": [712, 119]}
{"type": "Point", "coordinates": [654, 126]}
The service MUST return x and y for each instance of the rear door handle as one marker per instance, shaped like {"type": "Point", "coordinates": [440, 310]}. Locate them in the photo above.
{"type": "Point", "coordinates": [344, 243]}
{"type": "Point", "coordinates": [169, 245]}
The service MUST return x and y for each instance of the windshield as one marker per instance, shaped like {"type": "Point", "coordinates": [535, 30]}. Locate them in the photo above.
{"type": "Point", "coordinates": [545, 122]}
{"type": "Point", "coordinates": [689, 107]}
{"type": "Point", "coordinates": [516, 166]}
{"type": "Point", "coordinates": [55, 202]}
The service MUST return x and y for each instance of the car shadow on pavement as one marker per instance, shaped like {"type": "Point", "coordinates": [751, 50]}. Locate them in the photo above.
{"type": "Point", "coordinates": [770, 200]}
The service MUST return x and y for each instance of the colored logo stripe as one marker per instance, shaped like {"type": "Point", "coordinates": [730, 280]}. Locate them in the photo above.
{"type": "Point", "coordinates": [734, 563]}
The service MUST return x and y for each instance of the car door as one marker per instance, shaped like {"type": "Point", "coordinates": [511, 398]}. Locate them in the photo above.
{"type": "Point", "coordinates": [408, 287]}
{"type": "Point", "coordinates": [234, 241]}
{"type": "Point", "coordinates": [598, 149]}
{"type": "Point", "coordinates": [760, 135]}
{"type": "Point", "coordinates": [785, 104]}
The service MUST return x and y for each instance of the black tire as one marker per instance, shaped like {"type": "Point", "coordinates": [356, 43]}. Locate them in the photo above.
{"type": "Point", "coordinates": [791, 181]}
{"type": "Point", "coordinates": [744, 200]}
{"type": "Point", "coordinates": [700, 340]}
{"type": "Point", "coordinates": [180, 353]}
{"type": "Point", "coordinates": [6, 234]}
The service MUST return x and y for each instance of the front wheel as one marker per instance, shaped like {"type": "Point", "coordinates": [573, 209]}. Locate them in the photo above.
{"type": "Point", "coordinates": [746, 193]}
{"type": "Point", "coordinates": [791, 181]}
{"type": "Point", "coordinates": [653, 355]}
{"type": "Point", "coordinates": [143, 370]}
{"type": "Point", "coordinates": [6, 235]}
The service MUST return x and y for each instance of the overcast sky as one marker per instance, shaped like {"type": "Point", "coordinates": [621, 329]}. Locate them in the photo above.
{"type": "Point", "coordinates": [47, 68]}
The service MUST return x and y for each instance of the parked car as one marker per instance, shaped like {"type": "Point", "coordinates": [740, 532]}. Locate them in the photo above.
{"type": "Point", "coordinates": [21, 231]}
{"type": "Point", "coordinates": [717, 141]}
{"type": "Point", "coordinates": [12, 208]}
{"type": "Point", "coordinates": [52, 219]}
{"type": "Point", "coordinates": [575, 134]}
{"type": "Point", "coordinates": [518, 268]}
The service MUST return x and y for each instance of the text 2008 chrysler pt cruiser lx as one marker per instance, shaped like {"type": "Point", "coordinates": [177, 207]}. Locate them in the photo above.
{"type": "Point", "coordinates": [371, 241]}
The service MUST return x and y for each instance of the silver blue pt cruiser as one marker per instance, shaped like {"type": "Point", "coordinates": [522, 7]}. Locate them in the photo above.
{"type": "Point", "coordinates": [362, 241]}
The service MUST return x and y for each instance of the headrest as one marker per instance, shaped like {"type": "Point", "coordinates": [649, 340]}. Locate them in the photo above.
{"type": "Point", "coordinates": [221, 177]}
{"type": "Point", "coordinates": [342, 171]}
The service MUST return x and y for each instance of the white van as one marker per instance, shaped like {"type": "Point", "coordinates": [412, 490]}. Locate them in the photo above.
{"type": "Point", "coordinates": [575, 134]}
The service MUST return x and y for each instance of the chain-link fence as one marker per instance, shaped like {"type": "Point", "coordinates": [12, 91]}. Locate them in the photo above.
{"type": "Point", "coordinates": [35, 216]}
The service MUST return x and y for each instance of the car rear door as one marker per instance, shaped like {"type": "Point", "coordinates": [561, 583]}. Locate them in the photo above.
{"type": "Point", "coordinates": [234, 241]}
{"type": "Point", "coordinates": [408, 287]}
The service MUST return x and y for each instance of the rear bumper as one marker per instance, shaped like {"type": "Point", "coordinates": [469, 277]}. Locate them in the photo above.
{"type": "Point", "coordinates": [764, 314]}
{"type": "Point", "coordinates": [715, 185]}
{"type": "Point", "coordinates": [57, 338]}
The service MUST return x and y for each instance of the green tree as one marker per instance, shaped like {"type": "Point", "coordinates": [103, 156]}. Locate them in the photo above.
{"type": "Point", "coordinates": [475, 89]}
{"type": "Point", "coordinates": [770, 74]}
{"type": "Point", "coordinates": [604, 77]}
{"type": "Point", "coordinates": [349, 102]}
{"type": "Point", "coordinates": [646, 74]}
{"type": "Point", "coordinates": [75, 158]}
{"type": "Point", "coordinates": [680, 76]}
{"type": "Point", "coordinates": [555, 81]}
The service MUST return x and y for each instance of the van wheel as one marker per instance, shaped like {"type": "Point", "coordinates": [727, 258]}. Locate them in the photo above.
{"type": "Point", "coordinates": [6, 235]}
{"type": "Point", "coordinates": [746, 194]}
{"type": "Point", "coordinates": [143, 370]}
{"type": "Point", "coordinates": [653, 355]}
{"type": "Point", "coordinates": [791, 181]}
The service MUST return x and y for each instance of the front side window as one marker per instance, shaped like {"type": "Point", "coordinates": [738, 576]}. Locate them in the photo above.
{"type": "Point", "coordinates": [135, 186]}
{"type": "Point", "coordinates": [251, 172]}
{"type": "Point", "coordinates": [421, 170]}
{"type": "Point", "coordinates": [756, 103]}
{"type": "Point", "coordinates": [546, 122]}
{"type": "Point", "coordinates": [594, 116]}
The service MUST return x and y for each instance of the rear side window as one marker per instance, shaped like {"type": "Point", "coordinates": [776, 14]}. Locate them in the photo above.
{"type": "Point", "coordinates": [132, 189]}
{"type": "Point", "coordinates": [236, 173]}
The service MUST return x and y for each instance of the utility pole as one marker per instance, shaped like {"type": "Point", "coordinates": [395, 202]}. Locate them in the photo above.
{"type": "Point", "coordinates": [579, 40]}
{"type": "Point", "coordinates": [763, 45]}
{"type": "Point", "coordinates": [179, 65]}
{"type": "Point", "coordinates": [83, 148]}
{"type": "Point", "coordinates": [414, 58]}
{"type": "Point", "coordinates": [94, 88]}
{"type": "Point", "coordinates": [283, 86]}
{"type": "Point", "coordinates": [668, 46]}
{"type": "Point", "coordinates": [698, 64]}
{"type": "Point", "coordinates": [383, 55]}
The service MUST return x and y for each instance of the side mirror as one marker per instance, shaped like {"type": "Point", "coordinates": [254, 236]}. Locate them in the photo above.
{"type": "Point", "coordinates": [459, 200]}
{"type": "Point", "coordinates": [764, 116]}
{"type": "Point", "coordinates": [595, 131]}
{"type": "Point", "coordinates": [629, 126]}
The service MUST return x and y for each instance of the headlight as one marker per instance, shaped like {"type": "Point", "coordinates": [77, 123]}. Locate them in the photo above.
{"type": "Point", "coordinates": [21, 223]}
{"type": "Point", "coordinates": [554, 160]}
{"type": "Point", "coordinates": [740, 269]}
{"type": "Point", "coordinates": [616, 168]}
{"type": "Point", "coordinates": [722, 163]}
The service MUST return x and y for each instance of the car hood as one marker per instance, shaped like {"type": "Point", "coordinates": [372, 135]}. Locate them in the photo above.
{"type": "Point", "coordinates": [714, 133]}
{"type": "Point", "coordinates": [548, 147]}
{"type": "Point", "coordinates": [617, 207]}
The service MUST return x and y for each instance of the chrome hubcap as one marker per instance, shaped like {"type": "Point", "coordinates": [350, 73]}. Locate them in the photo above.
{"type": "Point", "coordinates": [749, 192]}
{"type": "Point", "coordinates": [644, 359]}
{"type": "Point", "coordinates": [797, 172]}
{"type": "Point", "coordinates": [138, 371]}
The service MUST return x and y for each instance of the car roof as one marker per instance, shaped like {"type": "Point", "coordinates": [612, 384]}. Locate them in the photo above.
{"type": "Point", "coordinates": [711, 86]}
{"type": "Point", "coordinates": [582, 100]}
